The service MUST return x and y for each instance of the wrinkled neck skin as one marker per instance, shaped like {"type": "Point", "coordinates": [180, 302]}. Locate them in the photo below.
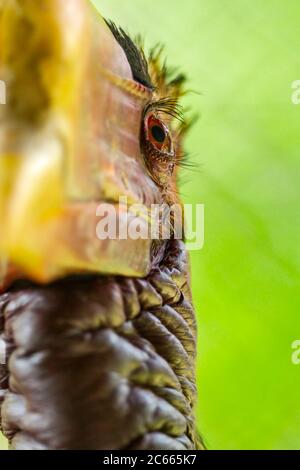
{"type": "Point", "coordinates": [101, 362]}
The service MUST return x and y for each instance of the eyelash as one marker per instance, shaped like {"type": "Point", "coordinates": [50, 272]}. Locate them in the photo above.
{"type": "Point", "coordinates": [168, 106]}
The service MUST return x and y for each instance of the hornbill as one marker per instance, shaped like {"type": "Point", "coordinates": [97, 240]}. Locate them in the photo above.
{"type": "Point", "coordinates": [100, 334]}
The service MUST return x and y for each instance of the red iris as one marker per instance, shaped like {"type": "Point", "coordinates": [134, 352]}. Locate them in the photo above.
{"type": "Point", "coordinates": [157, 132]}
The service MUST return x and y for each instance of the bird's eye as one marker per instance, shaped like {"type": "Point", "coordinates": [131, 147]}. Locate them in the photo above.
{"type": "Point", "coordinates": [158, 149]}
{"type": "Point", "coordinates": [157, 133]}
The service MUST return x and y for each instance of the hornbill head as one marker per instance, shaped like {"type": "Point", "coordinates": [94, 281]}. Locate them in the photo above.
{"type": "Point", "coordinates": [100, 332]}
{"type": "Point", "coordinates": [87, 121]}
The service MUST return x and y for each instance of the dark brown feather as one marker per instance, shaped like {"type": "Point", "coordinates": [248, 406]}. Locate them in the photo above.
{"type": "Point", "coordinates": [102, 363]}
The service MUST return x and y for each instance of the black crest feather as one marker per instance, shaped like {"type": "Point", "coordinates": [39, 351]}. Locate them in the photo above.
{"type": "Point", "coordinates": [134, 54]}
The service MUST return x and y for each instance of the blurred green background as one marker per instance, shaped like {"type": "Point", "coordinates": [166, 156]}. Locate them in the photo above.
{"type": "Point", "coordinates": [242, 57]}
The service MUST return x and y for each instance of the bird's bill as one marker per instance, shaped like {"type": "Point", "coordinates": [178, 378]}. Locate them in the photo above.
{"type": "Point", "coordinates": [69, 139]}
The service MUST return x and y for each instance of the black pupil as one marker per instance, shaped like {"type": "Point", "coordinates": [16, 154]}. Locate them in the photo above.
{"type": "Point", "coordinates": [159, 134]}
